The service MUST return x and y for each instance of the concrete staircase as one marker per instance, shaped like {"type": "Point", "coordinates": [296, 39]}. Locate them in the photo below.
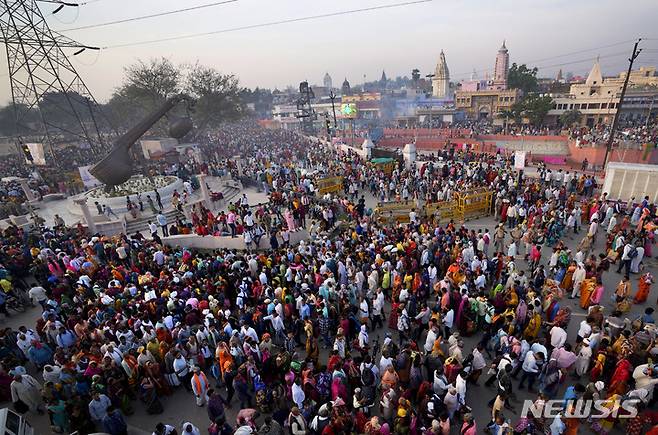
{"type": "Point", "coordinates": [142, 223]}
{"type": "Point", "coordinates": [229, 190]}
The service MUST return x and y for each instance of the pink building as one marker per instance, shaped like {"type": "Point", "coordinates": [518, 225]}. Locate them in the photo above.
{"type": "Point", "coordinates": [499, 82]}
{"type": "Point", "coordinates": [501, 69]}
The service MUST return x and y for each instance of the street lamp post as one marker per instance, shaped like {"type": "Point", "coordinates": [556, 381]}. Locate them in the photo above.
{"type": "Point", "coordinates": [332, 97]}
{"type": "Point", "coordinates": [429, 76]}
{"type": "Point", "coordinates": [615, 121]}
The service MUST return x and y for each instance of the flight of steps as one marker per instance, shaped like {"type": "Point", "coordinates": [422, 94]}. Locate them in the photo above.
{"type": "Point", "coordinates": [142, 223]}
{"type": "Point", "coordinates": [229, 190]}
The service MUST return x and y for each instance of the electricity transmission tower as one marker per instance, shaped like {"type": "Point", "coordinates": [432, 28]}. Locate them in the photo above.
{"type": "Point", "coordinates": [51, 102]}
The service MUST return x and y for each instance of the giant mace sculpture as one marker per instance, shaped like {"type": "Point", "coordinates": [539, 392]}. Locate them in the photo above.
{"type": "Point", "coordinates": [117, 166]}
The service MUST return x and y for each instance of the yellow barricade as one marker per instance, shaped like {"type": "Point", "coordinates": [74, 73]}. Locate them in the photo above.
{"type": "Point", "coordinates": [329, 185]}
{"type": "Point", "coordinates": [443, 212]}
{"type": "Point", "coordinates": [396, 211]}
{"type": "Point", "coordinates": [475, 203]}
{"type": "Point", "coordinates": [387, 168]}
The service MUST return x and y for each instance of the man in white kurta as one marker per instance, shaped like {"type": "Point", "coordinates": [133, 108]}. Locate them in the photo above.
{"type": "Point", "coordinates": [200, 386]}
{"type": "Point", "coordinates": [26, 389]}
{"type": "Point", "coordinates": [583, 359]}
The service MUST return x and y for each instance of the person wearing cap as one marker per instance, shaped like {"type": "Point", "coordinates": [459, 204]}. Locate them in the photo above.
{"type": "Point", "coordinates": [188, 428]}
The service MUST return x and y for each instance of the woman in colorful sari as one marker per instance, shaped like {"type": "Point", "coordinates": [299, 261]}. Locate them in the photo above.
{"type": "Point", "coordinates": [604, 425]}
{"type": "Point", "coordinates": [131, 367]}
{"type": "Point", "coordinates": [567, 281]}
{"type": "Point", "coordinates": [153, 371]}
{"type": "Point", "coordinates": [643, 287]}
{"type": "Point", "coordinates": [552, 309]}
{"type": "Point", "coordinates": [59, 416]}
{"type": "Point", "coordinates": [597, 294]}
{"type": "Point", "coordinates": [563, 317]}
{"type": "Point", "coordinates": [648, 241]}
{"type": "Point", "coordinates": [643, 219]}
{"type": "Point", "coordinates": [338, 389]}
{"type": "Point", "coordinates": [599, 363]}
{"type": "Point", "coordinates": [619, 381]}
{"type": "Point", "coordinates": [534, 326]}
{"type": "Point", "coordinates": [460, 316]}
{"type": "Point", "coordinates": [511, 298]}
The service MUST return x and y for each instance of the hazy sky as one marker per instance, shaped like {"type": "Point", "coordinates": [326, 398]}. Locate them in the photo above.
{"type": "Point", "coordinates": [397, 40]}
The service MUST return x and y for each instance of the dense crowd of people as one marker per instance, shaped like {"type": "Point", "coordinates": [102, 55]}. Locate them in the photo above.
{"type": "Point", "coordinates": [359, 329]}
{"type": "Point", "coordinates": [629, 134]}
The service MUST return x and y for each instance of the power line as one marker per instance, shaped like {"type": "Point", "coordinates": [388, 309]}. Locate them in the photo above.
{"type": "Point", "coordinates": [269, 24]}
{"type": "Point", "coordinates": [144, 17]}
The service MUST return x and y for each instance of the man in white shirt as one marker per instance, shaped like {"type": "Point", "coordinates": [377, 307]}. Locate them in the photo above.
{"type": "Point", "coordinates": [612, 223]}
{"type": "Point", "coordinates": [585, 328]}
{"type": "Point", "coordinates": [412, 217]}
{"type": "Point", "coordinates": [364, 310]}
{"type": "Point", "coordinates": [448, 319]}
{"type": "Point", "coordinates": [153, 228]}
{"type": "Point", "coordinates": [432, 335]}
{"type": "Point", "coordinates": [159, 258]}
{"type": "Point", "coordinates": [558, 337]}
{"type": "Point", "coordinates": [377, 309]}
{"type": "Point", "coordinates": [279, 327]}
{"type": "Point", "coordinates": [626, 259]}
{"type": "Point", "coordinates": [39, 295]}
{"type": "Point", "coordinates": [163, 429]}
{"type": "Point", "coordinates": [530, 369]}
{"type": "Point", "coordinates": [114, 354]}
{"type": "Point", "coordinates": [578, 277]}
{"type": "Point", "coordinates": [593, 227]}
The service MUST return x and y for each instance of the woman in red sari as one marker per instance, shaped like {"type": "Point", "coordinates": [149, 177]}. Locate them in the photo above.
{"type": "Point", "coordinates": [620, 378]}
{"type": "Point", "coordinates": [393, 316]}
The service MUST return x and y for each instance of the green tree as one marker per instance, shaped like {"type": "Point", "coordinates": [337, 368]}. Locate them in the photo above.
{"type": "Point", "coordinates": [536, 107]}
{"type": "Point", "coordinates": [155, 81]}
{"type": "Point", "coordinates": [514, 113]}
{"type": "Point", "coordinates": [570, 117]}
{"type": "Point", "coordinates": [523, 78]}
{"type": "Point", "coordinates": [8, 125]}
{"type": "Point", "coordinates": [217, 96]}
{"type": "Point", "coordinates": [146, 86]}
{"type": "Point", "coordinates": [415, 75]}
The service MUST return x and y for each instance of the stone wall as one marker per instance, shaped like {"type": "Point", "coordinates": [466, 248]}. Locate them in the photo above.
{"type": "Point", "coordinates": [194, 241]}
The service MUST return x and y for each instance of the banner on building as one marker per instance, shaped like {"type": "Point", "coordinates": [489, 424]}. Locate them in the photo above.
{"type": "Point", "coordinates": [38, 155]}
{"type": "Point", "coordinates": [87, 179]}
{"type": "Point", "coordinates": [519, 160]}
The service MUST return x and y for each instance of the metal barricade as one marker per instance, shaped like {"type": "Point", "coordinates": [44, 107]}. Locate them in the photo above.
{"type": "Point", "coordinates": [329, 185]}
{"type": "Point", "coordinates": [475, 203]}
{"type": "Point", "coordinates": [396, 211]}
{"type": "Point", "coordinates": [443, 212]}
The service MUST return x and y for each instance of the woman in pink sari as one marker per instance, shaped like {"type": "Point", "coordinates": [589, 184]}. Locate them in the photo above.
{"type": "Point", "coordinates": [597, 294]}
{"type": "Point", "coordinates": [460, 318]}
{"type": "Point", "coordinates": [338, 389]}
{"type": "Point", "coordinates": [290, 221]}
